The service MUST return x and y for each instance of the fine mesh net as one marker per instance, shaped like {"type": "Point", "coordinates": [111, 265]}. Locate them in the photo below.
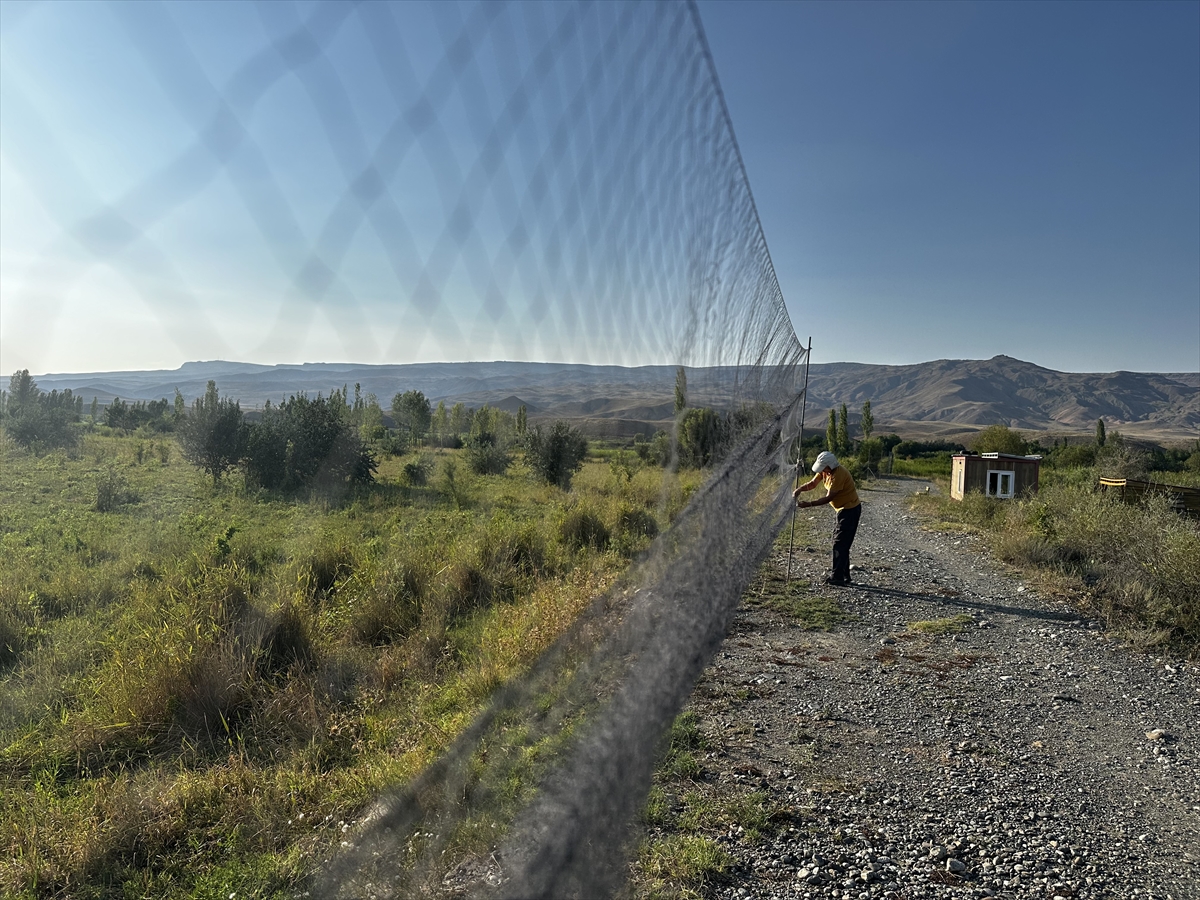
{"type": "Point", "coordinates": [553, 182]}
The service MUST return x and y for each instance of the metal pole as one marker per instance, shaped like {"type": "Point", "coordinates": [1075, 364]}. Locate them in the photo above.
{"type": "Point", "coordinates": [799, 462]}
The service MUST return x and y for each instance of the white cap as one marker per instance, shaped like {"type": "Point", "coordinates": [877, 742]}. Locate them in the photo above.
{"type": "Point", "coordinates": [825, 460]}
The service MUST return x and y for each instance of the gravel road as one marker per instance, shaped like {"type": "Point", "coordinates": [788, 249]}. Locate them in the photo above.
{"type": "Point", "coordinates": [1029, 755]}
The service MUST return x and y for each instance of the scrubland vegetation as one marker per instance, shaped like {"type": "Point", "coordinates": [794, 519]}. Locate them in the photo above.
{"type": "Point", "coordinates": [1136, 566]}
{"type": "Point", "coordinates": [203, 680]}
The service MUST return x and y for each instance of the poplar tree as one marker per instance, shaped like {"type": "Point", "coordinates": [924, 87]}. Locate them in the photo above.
{"type": "Point", "coordinates": [831, 440]}
{"type": "Point", "coordinates": [680, 390]}
{"type": "Point", "coordinates": [868, 421]}
{"type": "Point", "coordinates": [1100, 435]}
{"type": "Point", "coordinates": [843, 431]}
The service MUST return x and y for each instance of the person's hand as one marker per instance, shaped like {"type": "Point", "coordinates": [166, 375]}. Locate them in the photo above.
{"type": "Point", "coordinates": [796, 493]}
{"type": "Point", "coordinates": [802, 504]}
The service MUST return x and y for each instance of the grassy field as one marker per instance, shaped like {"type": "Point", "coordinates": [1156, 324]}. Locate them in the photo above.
{"type": "Point", "coordinates": [1136, 566]}
{"type": "Point", "coordinates": [200, 688]}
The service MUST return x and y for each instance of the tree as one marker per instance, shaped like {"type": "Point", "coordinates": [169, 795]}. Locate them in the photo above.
{"type": "Point", "coordinates": [1100, 436]}
{"type": "Point", "coordinates": [999, 439]}
{"type": "Point", "coordinates": [412, 412]}
{"type": "Point", "coordinates": [557, 453]}
{"type": "Point", "coordinates": [213, 437]}
{"type": "Point", "coordinates": [868, 421]}
{"type": "Point", "coordinates": [460, 419]}
{"type": "Point", "coordinates": [371, 427]}
{"type": "Point", "coordinates": [303, 442]}
{"type": "Point", "coordinates": [441, 423]}
{"type": "Point", "coordinates": [680, 390]}
{"type": "Point", "coordinates": [701, 434]}
{"type": "Point", "coordinates": [831, 438]}
{"type": "Point", "coordinates": [489, 441]}
{"type": "Point", "coordinates": [522, 420]}
{"type": "Point", "coordinates": [115, 412]}
{"type": "Point", "coordinates": [22, 391]}
{"type": "Point", "coordinates": [37, 420]}
{"type": "Point", "coordinates": [843, 431]}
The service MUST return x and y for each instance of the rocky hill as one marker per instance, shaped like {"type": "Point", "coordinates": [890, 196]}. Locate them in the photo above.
{"type": "Point", "coordinates": [962, 394]}
{"type": "Point", "coordinates": [1009, 391]}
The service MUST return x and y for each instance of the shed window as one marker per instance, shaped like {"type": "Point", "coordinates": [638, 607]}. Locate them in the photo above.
{"type": "Point", "coordinates": [1000, 483]}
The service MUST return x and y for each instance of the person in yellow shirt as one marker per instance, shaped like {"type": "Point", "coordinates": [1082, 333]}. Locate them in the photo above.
{"type": "Point", "coordinates": [842, 495]}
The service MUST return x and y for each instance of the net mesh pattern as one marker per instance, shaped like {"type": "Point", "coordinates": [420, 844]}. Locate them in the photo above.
{"type": "Point", "coordinates": [553, 182]}
{"type": "Point", "coordinates": [547, 182]}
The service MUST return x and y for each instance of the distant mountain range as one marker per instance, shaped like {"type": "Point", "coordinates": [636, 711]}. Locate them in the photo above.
{"type": "Point", "coordinates": [947, 395]}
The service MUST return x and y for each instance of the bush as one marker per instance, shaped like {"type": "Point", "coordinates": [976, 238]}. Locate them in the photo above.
{"type": "Point", "coordinates": [656, 451]}
{"type": "Point", "coordinates": [112, 491]}
{"type": "Point", "coordinates": [469, 590]}
{"type": "Point", "coordinates": [999, 439]}
{"type": "Point", "coordinates": [303, 443]}
{"type": "Point", "coordinates": [37, 420]}
{"type": "Point", "coordinates": [327, 565]}
{"type": "Point", "coordinates": [1072, 456]}
{"type": "Point", "coordinates": [213, 437]}
{"type": "Point", "coordinates": [701, 437]}
{"type": "Point", "coordinates": [637, 522]}
{"type": "Point", "coordinates": [556, 454]}
{"type": "Point", "coordinates": [918, 449]}
{"type": "Point", "coordinates": [416, 473]}
{"type": "Point", "coordinates": [1118, 458]}
{"type": "Point", "coordinates": [583, 528]}
{"type": "Point", "coordinates": [486, 456]}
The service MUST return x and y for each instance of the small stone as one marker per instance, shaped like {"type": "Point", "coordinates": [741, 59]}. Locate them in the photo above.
{"type": "Point", "coordinates": [955, 866]}
{"type": "Point", "coordinates": [1156, 734]}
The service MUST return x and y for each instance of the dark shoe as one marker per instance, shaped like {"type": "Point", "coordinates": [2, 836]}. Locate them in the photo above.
{"type": "Point", "coordinates": [837, 582]}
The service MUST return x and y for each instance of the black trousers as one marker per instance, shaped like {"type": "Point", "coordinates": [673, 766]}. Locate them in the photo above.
{"type": "Point", "coordinates": [844, 529]}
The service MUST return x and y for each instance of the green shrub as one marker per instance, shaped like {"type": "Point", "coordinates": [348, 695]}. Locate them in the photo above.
{"type": "Point", "coordinates": [287, 643]}
{"type": "Point", "coordinates": [636, 522]}
{"type": "Point", "coordinates": [416, 472]}
{"type": "Point", "coordinates": [112, 491]}
{"type": "Point", "coordinates": [582, 528]}
{"type": "Point", "coordinates": [1000, 439]}
{"type": "Point", "coordinates": [327, 564]}
{"type": "Point", "coordinates": [469, 590]}
{"type": "Point", "coordinates": [557, 453]}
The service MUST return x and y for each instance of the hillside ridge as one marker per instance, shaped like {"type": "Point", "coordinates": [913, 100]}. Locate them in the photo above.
{"type": "Point", "coordinates": [959, 392]}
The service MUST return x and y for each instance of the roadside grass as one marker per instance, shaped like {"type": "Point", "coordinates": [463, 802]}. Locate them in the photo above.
{"type": "Point", "coordinates": [686, 813]}
{"type": "Point", "coordinates": [201, 687]}
{"type": "Point", "coordinates": [810, 611]}
{"type": "Point", "coordinates": [1135, 566]}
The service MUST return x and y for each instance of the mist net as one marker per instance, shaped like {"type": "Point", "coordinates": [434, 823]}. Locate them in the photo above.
{"type": "Point", "coordinates": [396, 182]}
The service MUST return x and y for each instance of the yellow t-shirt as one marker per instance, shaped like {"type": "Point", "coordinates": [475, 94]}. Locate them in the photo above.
{"type": "Point", "coordinates": [839, 484]}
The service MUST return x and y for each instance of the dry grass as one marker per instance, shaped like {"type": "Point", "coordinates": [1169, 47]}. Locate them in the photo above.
{"type": "Point", "coordinates": [1136, 566]}
{"type": "Point", "coordinates": [198, 687]}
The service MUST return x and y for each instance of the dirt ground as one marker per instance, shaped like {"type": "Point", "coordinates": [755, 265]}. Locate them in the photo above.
{"type": "Point", "coordinates": [958, 736]}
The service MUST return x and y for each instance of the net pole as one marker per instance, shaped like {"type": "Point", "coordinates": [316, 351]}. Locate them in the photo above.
{"type": "Point", "coordinates": [799, 462]}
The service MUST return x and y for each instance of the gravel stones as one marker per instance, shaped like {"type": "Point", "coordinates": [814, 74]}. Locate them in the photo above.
{"type": "Point", "coordinates": [1026, 756]}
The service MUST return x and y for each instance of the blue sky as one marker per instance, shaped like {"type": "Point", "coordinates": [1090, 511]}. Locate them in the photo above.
{"type": "Point", "coordinates": [968, 179]}
{"type": "Point", "coordinates": [934, 180]}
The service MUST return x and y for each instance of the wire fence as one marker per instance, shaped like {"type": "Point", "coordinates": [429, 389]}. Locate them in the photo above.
{"type": "Point", "coordinates": [400, 182]}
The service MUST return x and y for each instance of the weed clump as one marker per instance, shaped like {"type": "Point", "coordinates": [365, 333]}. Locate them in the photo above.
{"type": "Point", "coordinates": [582, 528]}
{"type": "Point", "coordinates": [325, 566]}
{"type": "Point", "coordinates": [113, 491]}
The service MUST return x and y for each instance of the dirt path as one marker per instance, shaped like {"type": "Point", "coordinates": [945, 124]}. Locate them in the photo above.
{"type": "Point", "coordinates": [1028, 755]}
